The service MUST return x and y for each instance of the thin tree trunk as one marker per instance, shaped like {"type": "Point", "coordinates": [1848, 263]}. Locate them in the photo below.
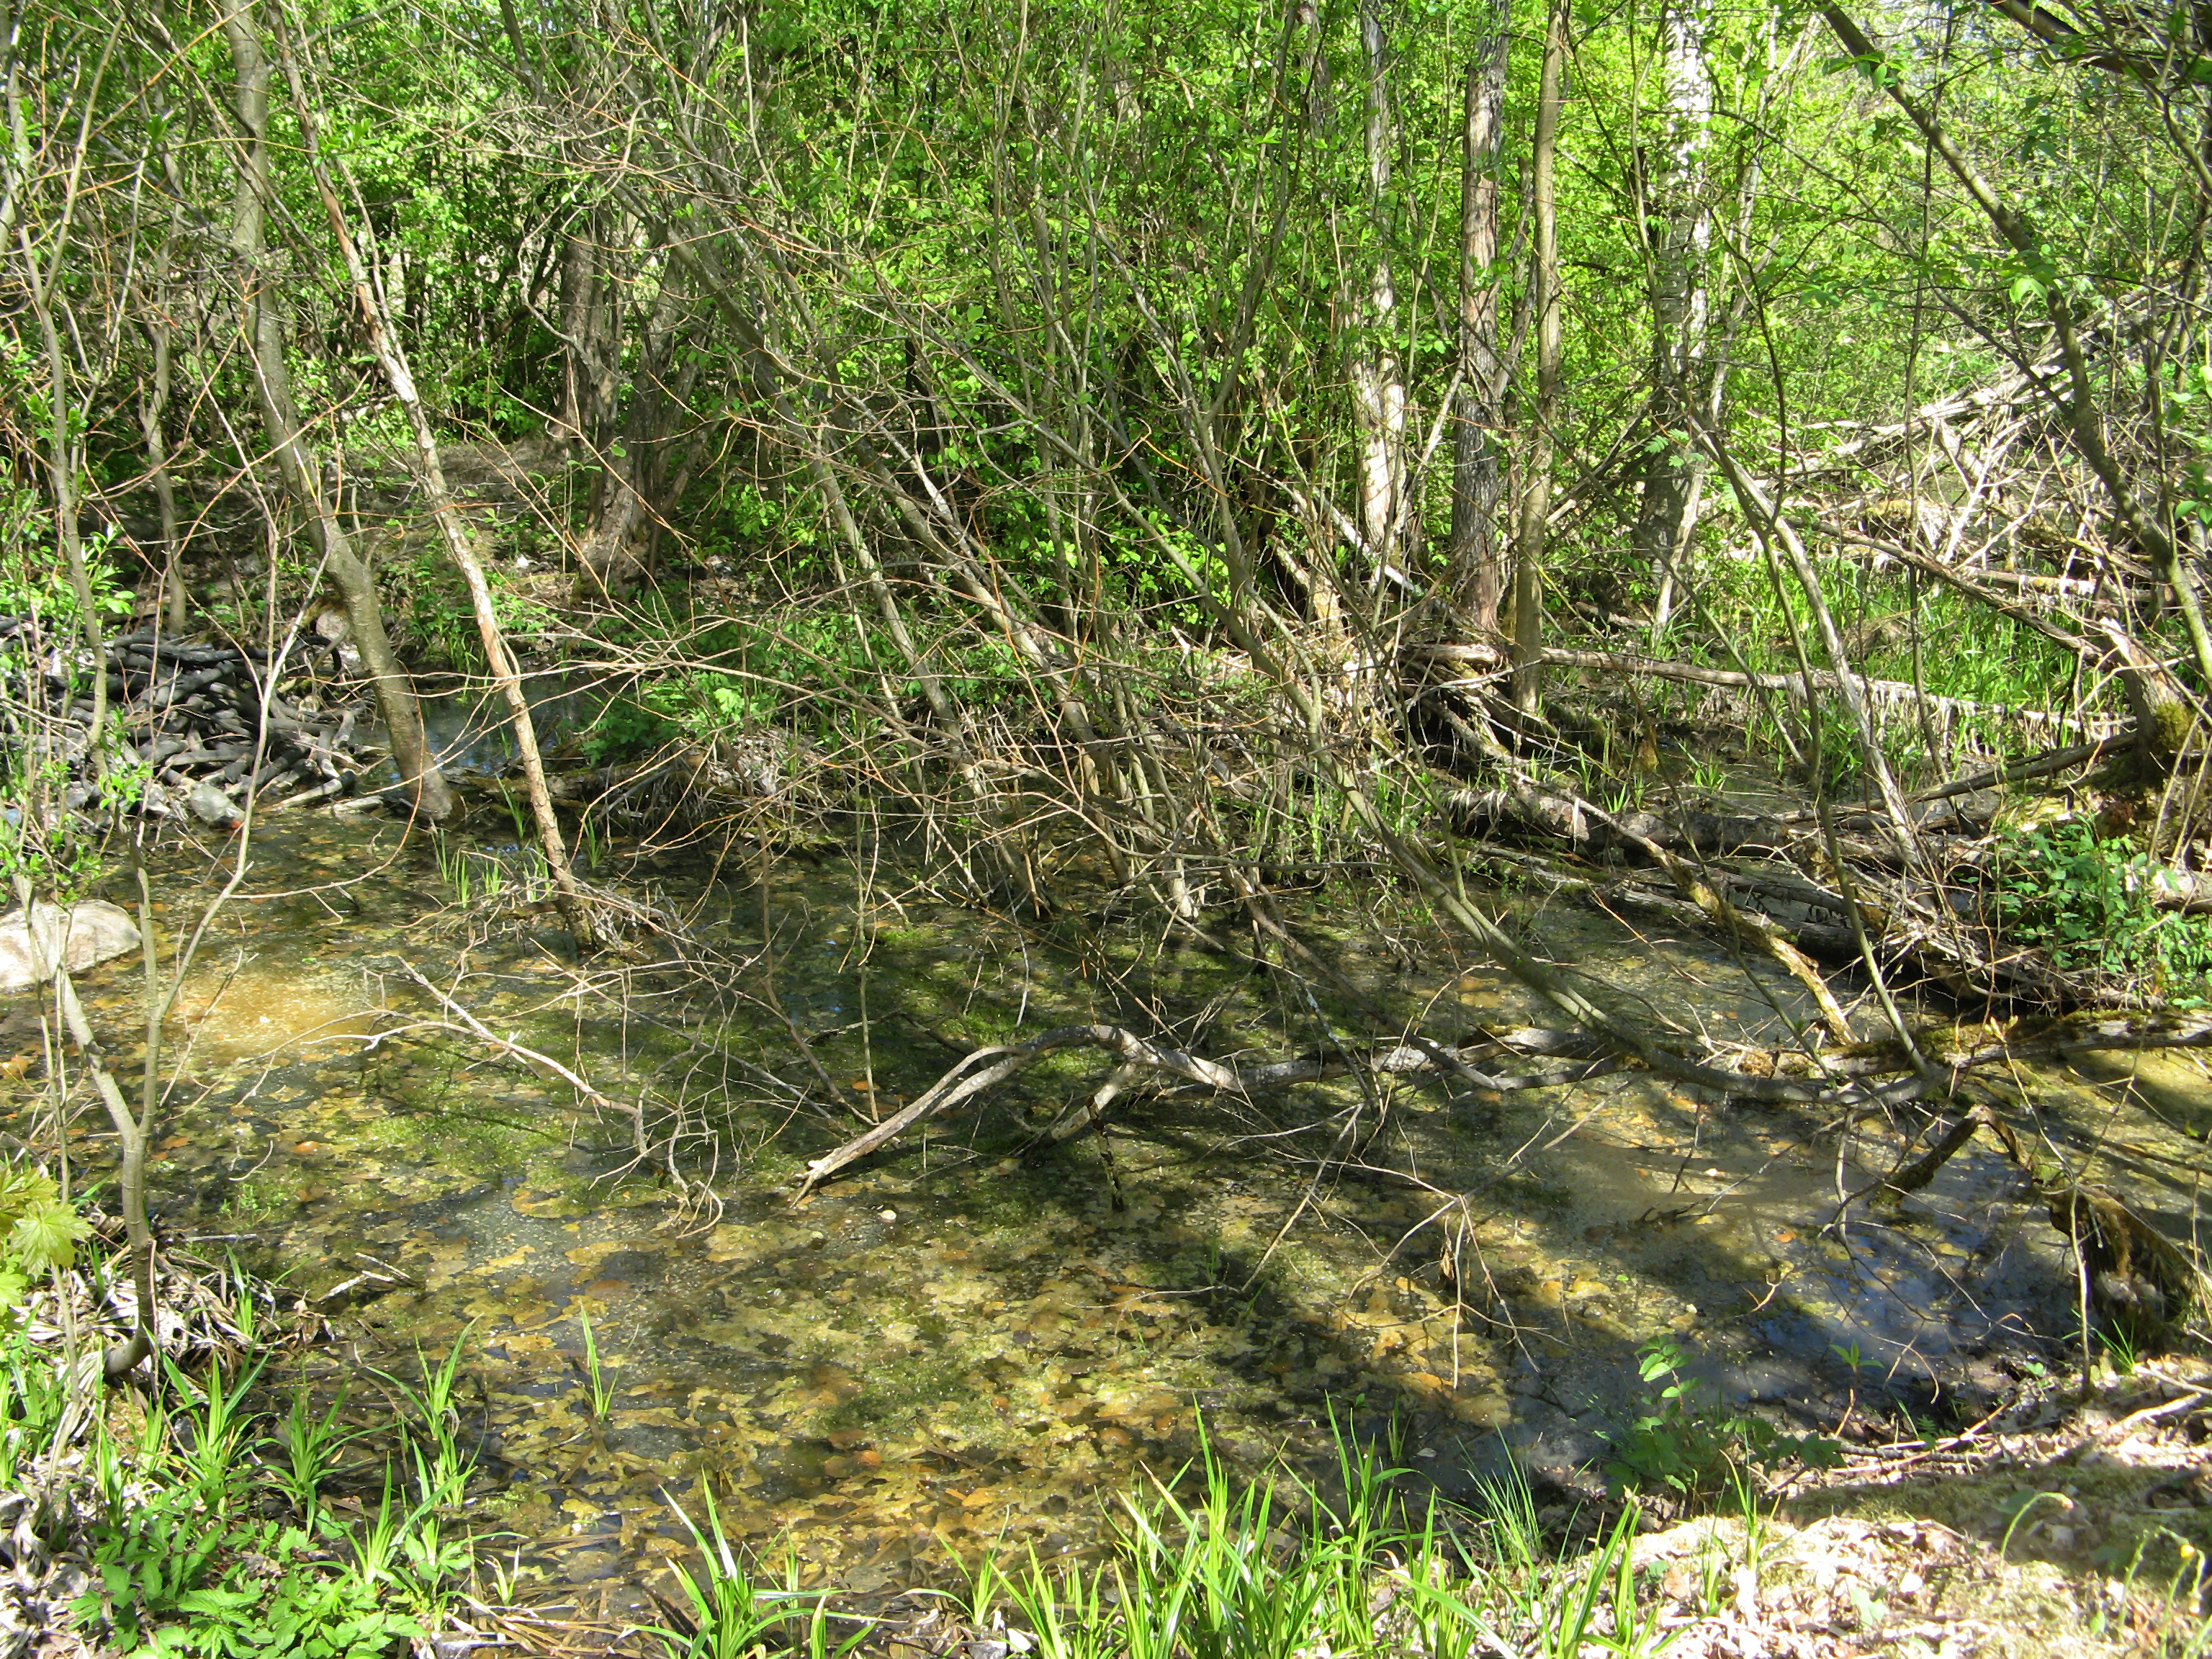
{"type": "Point", "coordinates": [42, 292]}
{"type": "Point", "coordinates": [153, 410]}
{"type": "Point", "coordinates": [1536, 499]}
{"type": "Point", "coordinates": [430, 474]}
{"type": "Point", "coordinates": [591, 347]}
{"type": "Point", "coordinates": [587, 381]}
{"type": "Point", "coordinates": [608, 559]}
{"type": "Point", "coordinates": [1477, 567]}
{"type": "Point", "coordinates": [1680, 229]}
{"type": "Point", "coordinates": [62, 479]}
{"type": "Point", "coordinates": [1378, 376]}
{"type": "Point", "coordinates": [152, 404]}
{"type": "Point", "coordinates": [356, 585]}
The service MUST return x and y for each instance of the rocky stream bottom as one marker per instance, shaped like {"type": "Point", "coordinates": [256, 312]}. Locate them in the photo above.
{"type": "Point", "coordinates": [960, 1347]}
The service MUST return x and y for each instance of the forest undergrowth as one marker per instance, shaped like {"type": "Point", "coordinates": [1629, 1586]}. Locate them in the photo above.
{"type": "Point", "coordinates": [1283, 490]}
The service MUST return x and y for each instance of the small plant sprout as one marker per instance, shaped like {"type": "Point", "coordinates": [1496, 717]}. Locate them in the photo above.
{"type": "Point", "coordinates": [310, 1443]}
{"type": "Point", "coordinates": [441, 1472]}
{"type": "Point", "coordinates": [1687, 1441]}
{"type": "Point", "coordinates": [603, 1391]}
{"type": "Point", "coordinates": [221, 1441]}
{"type": "Point", "coordinates": [730, 1615]}
{"type": "Point", "coordinates": [2120, 1350]}
{"type": "Point", "coordinates": [1756, 1516]}
{"type": "Point", "coordinates": [2019, 1516]}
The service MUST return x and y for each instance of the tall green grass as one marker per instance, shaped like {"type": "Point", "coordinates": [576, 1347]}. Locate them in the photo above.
{"type": "Point", "coordinates": [1205, 1565]}
{"type": "Point", "coordinates": [205, 1523]}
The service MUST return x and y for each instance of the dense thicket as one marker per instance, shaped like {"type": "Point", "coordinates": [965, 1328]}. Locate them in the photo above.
{"type": "Point", "coordinates": [1204, 445]}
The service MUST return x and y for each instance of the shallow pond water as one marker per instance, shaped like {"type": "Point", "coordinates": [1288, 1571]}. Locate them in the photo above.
{"type": "Point", "coordinates": [955, 1343]}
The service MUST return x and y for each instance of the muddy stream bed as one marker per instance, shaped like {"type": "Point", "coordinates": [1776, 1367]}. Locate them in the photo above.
{"type": "Point", "coordinates": [951, 1345]}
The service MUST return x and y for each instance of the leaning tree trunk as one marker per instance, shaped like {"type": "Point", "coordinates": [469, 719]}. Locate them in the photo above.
{"type": "Point", "coordinates": [430, 474]}
{"type": "Point", "coordinates": [348, 573]}
{"type": "Point", "coordinates": [1477, 557]}
{"type": "Point", "coordinates": [1680, 228]}
{"type": "Point", "coordinates": [1536, 499]}
{"type": "Point", "coordinates": [153, 411]}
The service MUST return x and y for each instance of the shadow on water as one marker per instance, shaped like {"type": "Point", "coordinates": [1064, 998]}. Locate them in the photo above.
{"type": "Point", "coordinates": [957, 1344]}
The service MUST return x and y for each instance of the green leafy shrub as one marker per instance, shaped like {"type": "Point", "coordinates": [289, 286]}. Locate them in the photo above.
{"type": "Point", "coordinates": [430, 602]}
{"type": "Point", "coordinates": [2089, 903]}
{"type": "Point", "coordinates": [624, 729]}
{"type": "Point", "coordinates": [166, 1583]}
{"type": "Point", "coordinates": [39, 1231]}
{"type": "Point", "coordinates": [1686, 1443]}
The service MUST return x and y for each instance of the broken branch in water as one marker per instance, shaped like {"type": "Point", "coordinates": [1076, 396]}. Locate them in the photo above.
{"type": "Point", "coordinates": [1870, 1074]}
{"type": "Point", "coordinates": [986, 1067]}
{"type": "Point", "coordinates": [546, 1066]}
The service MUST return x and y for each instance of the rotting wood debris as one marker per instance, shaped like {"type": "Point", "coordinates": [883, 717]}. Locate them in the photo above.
{"type": "Point", "coordinates": [204, 719]}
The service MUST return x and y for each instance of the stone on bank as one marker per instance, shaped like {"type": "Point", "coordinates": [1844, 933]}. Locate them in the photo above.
{"type": "Point", "coordinates": [83, 934]}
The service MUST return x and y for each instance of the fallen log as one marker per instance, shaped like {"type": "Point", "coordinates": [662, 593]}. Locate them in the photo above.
{"type": "Point", "coordinates": [1558, 815]}
{"type": "Point", "coordinates": [1889, 697]}
{"type": "Point", "coordinates": [1756, 931]}
{"type": "Point", "coordinates": [2045, 765]}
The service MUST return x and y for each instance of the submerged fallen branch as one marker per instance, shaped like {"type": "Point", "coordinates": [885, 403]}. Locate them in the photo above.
{"type": "Point", "coordinates": [986, 1067]}
{"type": "Point", "coordinates": [1853, 1078]}
{"type": "Point", "coordinates": [648, 1150]}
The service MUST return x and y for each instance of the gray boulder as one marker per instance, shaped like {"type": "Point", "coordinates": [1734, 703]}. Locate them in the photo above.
{"type": "Point", "coordinates": [84, 933]}
{"type": "Point", "coordinates": [211, 805]}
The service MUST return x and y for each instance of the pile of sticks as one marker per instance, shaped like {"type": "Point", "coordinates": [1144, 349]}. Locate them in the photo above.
{"type": "Point", "coordinates": [205, 717]}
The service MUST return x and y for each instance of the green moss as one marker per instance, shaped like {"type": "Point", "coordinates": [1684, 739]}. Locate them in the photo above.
{"type": "Point", "coordinates": [2172, 722]}
{"type": "Point", "coordinates": [899, 1390]}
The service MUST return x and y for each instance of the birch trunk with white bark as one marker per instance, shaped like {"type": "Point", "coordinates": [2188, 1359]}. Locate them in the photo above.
{"type": "Point", "coordinates": [1378, 375]}
{"type": "Point", "coordinates": [1477, 552]}
{"type": "Point", "coordinates": [1536, 499]}
{"type": "Point", "coordinates": [1678, 227]}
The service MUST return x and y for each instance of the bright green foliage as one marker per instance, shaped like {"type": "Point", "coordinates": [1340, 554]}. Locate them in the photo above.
{"type": "Point", "coordinates": [52, 849]}
{"type": "Point", "coordinates": [2090, 902]}
{"type": "Point", "coordinates": [1687, 1442]}
{"type": "Point", "coordinates": [169, 1584]}
{"type": "Point", "coordinates": [184, 1561]}
{"type": "Point", "coordinates": [42, 1230]}
{"type": "Point", "coordinates": [31, 1399]}
{"type": "Point", "coordinates": [33, 579]}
